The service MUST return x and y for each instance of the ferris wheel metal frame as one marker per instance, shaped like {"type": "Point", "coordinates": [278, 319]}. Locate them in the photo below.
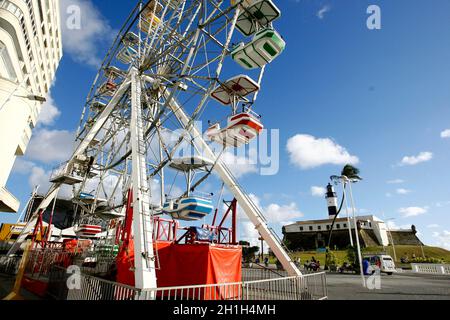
{"type": "Point", "coordinates": [129, 113]}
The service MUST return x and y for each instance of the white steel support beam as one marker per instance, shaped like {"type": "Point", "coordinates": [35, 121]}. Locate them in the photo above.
{"type": "Point", "coordinates": [252, 211]}
{"type": "Point", "coordinates": [54, 188]}
{"type": "Point", "coordinates": [144, 258]}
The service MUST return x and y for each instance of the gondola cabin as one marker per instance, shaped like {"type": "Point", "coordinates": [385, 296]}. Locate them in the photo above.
{"type": "Point", "coordinates": [235, 88]}
{"type": "Point", "coordinates": [173, 4]}
{"type": "Point", "coordinates": [108, 88]}
{"type": "Point", "coordinates": [265, 47]}
{"type": "Point", "coordinates": [87, 230]}
{"type": "Point", "coordinates": [257, 14]}
{"type": "Point", "coordinates": [127, 55]}
{"type": "Point", "coordinates": [188, 208]}
{"type": "Point", "coordinates": [240, 130]}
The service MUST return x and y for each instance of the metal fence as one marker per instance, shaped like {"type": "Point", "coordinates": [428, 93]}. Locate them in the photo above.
{"type": "Point", "coordinates": [40, 261]}
{"type": "Point", "coordinates": [308, 287]}
{"type": "Point", "coordinates": [257, 272]}
{"type": "Point", "coordinates": [430, 268]}
{"type": "Point", "coordinates": [9, 265]}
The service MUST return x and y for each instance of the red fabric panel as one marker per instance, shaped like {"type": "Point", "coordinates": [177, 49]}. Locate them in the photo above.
{"type": "Point", "coordinates": [225, 266]}
{"type": "Point", "coordinates": [125, 264]}
{"type": "Point", "coordinates": [187, 265]}
{"type": "Point", "coordinates": [183, 265]}
{"type": "Point", "coordinates": [37, 287]}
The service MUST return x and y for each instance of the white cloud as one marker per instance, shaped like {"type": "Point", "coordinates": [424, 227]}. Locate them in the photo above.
{"type": "Point", "coordinates": [49, 112]}
{"type": "Point", "coordinates": [433, 226]}
{"type": "Point", "coordinates": [322, 11]}
{"type": "Point", "coordinates": [274, 213]}
{"type": "Point", "coordinates": [442, 239]}
{"type": "Point", "coordinates": [413, 160]}
{"type": "Point", "coordinates": [40, 177]}
{"type": "Point", "coordinates": [318, 191]}
{"type": "Point", "coordinates": [388, 194]}
{"type": "Point", "coordinates": [247, 232]}
{"type": "Point", "coordinates": [309, 152]}
{"type": "Point", "coordinates": [403, 191]}
{"type": "Point", "coordinates": [50, 146]}
{"type": "Point", "coordinates": [83, 43]}
{"type": "Point", "coordinates": [445, 134]}
{"type": "Point", "coordinates": [22, 166]}
{"type": "Point", "coordinates": [442, 204]}
{"type": "Point", "coordinates": [396, 181]}
{"type": "Point", "coordinates": [239, 165]}
{"type": "Point", "coordinates": [412, 211]}
{"type": "Point", "coordinates": [282, 214]}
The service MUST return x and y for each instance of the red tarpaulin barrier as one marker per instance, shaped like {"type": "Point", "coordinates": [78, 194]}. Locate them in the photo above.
{"type": "Point", "coordinates": [188, 265]}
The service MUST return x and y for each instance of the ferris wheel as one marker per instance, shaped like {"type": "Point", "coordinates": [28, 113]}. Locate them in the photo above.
{"type": "Point", "coordinates": [172, 61]}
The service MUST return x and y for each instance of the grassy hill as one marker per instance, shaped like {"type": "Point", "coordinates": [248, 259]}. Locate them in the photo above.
{"type": "Point", "coordinates": [429, 252]}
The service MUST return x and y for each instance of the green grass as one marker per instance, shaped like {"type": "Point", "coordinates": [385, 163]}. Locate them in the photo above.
{"type": "Point", "coordinates": [430, 252]}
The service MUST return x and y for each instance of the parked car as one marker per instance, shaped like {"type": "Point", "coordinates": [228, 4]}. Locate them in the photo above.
{"type": "Point", "coordinates": [384, 262]}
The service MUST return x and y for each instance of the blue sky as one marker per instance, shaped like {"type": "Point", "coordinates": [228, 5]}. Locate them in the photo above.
{"type": "Point", "coordinates": [340, 92]}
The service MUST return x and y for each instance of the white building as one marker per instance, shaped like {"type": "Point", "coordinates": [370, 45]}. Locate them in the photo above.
{"type": "Point", "coordinates": [372, 231]}
{"type": "Point", "coordinates": [30, 51]}
{"type": "Point", "coordinates": [368, 223]}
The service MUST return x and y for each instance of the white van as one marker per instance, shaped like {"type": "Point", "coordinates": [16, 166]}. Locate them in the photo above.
{"type": "Point", "coordinates": [384, 262]}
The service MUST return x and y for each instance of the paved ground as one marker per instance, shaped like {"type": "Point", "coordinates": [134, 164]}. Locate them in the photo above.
{"type": "Point", "coordinates": [406, 286]}
{"type": "Point", "coordinates": [6, 285]}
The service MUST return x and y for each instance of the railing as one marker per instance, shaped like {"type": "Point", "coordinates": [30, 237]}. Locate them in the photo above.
{"type": "Point", "coordinates": [257, 272]}
{"type": "Point", "coordinates": [430, 268]}
{"type": "Point", "coordinates": [9, 265]}
{"type": "Point", "coordinates": [308, 287]}
{"type": "Point", "coordinates": [40, 261]}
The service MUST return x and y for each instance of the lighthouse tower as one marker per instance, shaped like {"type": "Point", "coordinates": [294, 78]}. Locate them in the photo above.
{"type": "Point", "coordinates": [331, 201]}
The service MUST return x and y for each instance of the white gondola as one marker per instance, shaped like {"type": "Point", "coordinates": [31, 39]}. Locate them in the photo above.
{"type": "Point", "coordinates": [112, 73]}
{"type": "Point", "coordinates": [89, 199]}
{"type": "Point", "coordinates": [173, 4]}
{"type": "Point", "coordinates": [88, 230]}
{"type": "Point", "coordinates": [257, 14]}
{"type": "Point", "coordinates": [98, 106]}
{"type": "Point", "coordinates": [127, 55]}
{"type": "Point", "coordinates": [235, 88]}
{"type": "Point", "coordinates": [266, 46]}
{"type": "Point", "coordinates": [240, 130]}
{"type": "Point", "coordinates": [192, 207]}
{"type": "Point", "coordinates": [131, 39]}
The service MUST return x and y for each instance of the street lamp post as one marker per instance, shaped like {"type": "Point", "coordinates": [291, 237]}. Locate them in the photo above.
{"type": "Point", "coordinates": [356, 232]}
{"type": "Point", "coordinates": [348, 214]}
{"type": "Point", "coordinates": [390, 235]}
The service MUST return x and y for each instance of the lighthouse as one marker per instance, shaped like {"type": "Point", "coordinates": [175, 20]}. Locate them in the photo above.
{"type": "Point", "coordinates": [331, 201]}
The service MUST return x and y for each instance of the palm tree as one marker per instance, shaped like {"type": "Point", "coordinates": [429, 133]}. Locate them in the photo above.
{"type": "Point", "coordinates": [351, 172]}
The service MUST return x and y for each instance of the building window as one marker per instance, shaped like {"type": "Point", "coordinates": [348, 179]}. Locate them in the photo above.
{"type": "Point", "coordinates": [338, 226]}
{"type": "Point", "coordinates": [6, 67]}
{"type": "Point", "coordinates": [328, 227]}
{"type": "Point", "coordinates": [345, 225]}
{"type": "Point", "coordinates": [301, 228]}
{"type": "Point", "coordinates": [319, 228]}
{"type": "Point", "coordinates": [310, 228]}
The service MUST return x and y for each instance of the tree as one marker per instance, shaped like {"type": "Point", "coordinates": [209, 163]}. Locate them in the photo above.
{"type": "Point", "coordinates": [248, 252]}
